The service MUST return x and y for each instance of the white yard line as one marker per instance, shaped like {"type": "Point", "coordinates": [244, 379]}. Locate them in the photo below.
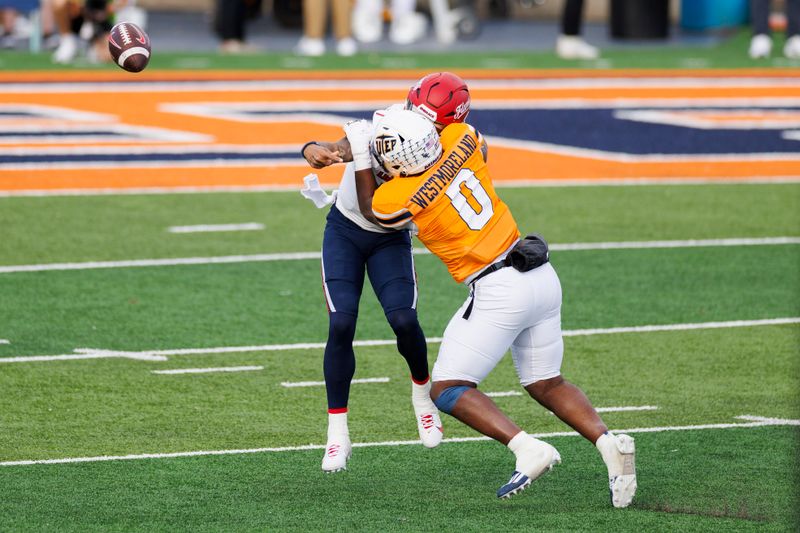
{"type": "Point", "coordinates": [753, 422]}
{"type": "Point", "coordinates": [209, 370]}
{"type": "Point", "coordinates": [5, 341]}
{"type": "Point", "coordinates": [681, 327]}
{"type": "Point", "coordinates": [503, 394]}
{"type": "Point", "coordinates": [161, 262]}
{"type": "Point", "coordinates": [295, 256]}
{"type": "Point", "coordinates": [211, 228]}
{"type": "Point", "coordinates": [623, 408]}
{"type": "Point", "coordinates": [626, 408]}
{"type": "Point", "coordinates": [161, 355]}
{"type": "Point", "coordinates": [321, 383]}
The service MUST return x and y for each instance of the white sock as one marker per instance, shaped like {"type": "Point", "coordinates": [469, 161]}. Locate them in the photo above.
{"type": "Point", "coordinates": [534, 456]}
{"type": "Point", "coordinates": [337, 426]}
{"type": "Point", "coordinates": [607, 446]}
{"type": "Point", "coordinates": [521, 445]}
{"type": "Point", "coordinates": [421, 392]}
{"type": "Point", "coordinates": [518, 441]}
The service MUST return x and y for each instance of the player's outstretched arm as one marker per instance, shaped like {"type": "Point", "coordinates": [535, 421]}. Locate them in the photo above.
{"type": "Point", "coordinates": [359, 135]}
{"type": "Point", "coordinates": [320, 154]}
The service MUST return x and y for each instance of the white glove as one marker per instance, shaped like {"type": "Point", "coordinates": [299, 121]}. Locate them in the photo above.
{"type": "Point", "coordinates": [359, 133]}
{"type": "Point", "coordinates": [314, 192]}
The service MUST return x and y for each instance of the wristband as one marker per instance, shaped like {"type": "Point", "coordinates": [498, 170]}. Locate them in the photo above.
{"type": "Point", "coordinates": [362, 162]}
{"type": "Point", "coordinates": [306, 145]}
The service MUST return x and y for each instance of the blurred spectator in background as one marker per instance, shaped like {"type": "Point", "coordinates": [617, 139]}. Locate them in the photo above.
{"type": "Point", "coordinates": [9, 21]}
{"type": "Point", "coordinates": [407, 25]}
{"type": "Point", "coordinates": [230, 20]}
{"type": "Point", "coordinates": [315, 22]}
{"type": "Point", "coordinates": [569, 44]}
{"type": "Point", "coordinates": [82, 22]}
{"type": "Point", "coordinates": [761, 43]}
{"type": "Point", "coordinates": [14, 25]}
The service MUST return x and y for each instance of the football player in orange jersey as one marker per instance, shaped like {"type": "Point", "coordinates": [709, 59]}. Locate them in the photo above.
{"type": "Point", "coordinates": [442, 189]}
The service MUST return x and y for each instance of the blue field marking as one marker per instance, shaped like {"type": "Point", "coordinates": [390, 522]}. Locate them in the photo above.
{"type": "Point", "coordinates": [606, 130]}
{"type": "Point", "coordinates": [171, 157]}
{"type": "Point", "coordinates": [599, 129]}
{"type": "Point", "coordinates": [67, 133]}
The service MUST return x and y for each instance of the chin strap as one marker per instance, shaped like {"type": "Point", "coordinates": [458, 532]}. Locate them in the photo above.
{"type": "Point", "coordinates": [314, 192]}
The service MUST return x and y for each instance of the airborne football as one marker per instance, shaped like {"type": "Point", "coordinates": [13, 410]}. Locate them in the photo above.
{"type": "Point", "coordinates": [129, 46]}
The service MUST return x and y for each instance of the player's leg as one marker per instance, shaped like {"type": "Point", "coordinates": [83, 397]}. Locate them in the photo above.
{"type": "Point", "coordinates": [343, 279]}
{"type": "Point", "coordinates": [315, 20]}
{"type": "Point", "coordinates": [342, 27]}
{"type": "Point", "coordinates": [538, 352]}
{"type": "Point", "coordinates": [470, 349]}
{"type": "Point", "coordinates": [761, 41]}
{"type": "Point", "coordinates": [791, 48]}
{"type": "Point", "coordinates": [391, 272]}
{"type": "Point", "coordinates": [63, 13]}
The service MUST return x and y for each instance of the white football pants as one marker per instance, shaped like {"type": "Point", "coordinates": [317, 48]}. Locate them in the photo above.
{"type": "Point", "coordinates": [520, 310]}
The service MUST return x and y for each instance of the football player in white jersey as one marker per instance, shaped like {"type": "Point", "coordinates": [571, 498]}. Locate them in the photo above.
{"type": "Point", "coordinates": [353, 246]}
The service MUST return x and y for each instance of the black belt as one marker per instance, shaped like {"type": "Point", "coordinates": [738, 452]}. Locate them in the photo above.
{"type": "Point", "coordinates": [494, 267]}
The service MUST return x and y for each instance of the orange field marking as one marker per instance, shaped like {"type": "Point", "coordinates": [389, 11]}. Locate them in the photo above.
{"type": "Point", "coordinates": [508, 164]}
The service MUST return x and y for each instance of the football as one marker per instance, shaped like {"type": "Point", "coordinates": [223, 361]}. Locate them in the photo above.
{"type": "Point", "coordinates": [129, 46]}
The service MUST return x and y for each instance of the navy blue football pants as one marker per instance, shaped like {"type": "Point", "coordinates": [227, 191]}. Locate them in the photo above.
{"type": "Point", "coordinates": [348, 252]}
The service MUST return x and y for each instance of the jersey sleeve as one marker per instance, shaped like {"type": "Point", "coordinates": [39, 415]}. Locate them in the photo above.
{"type": "Point", "coordinates": [390, 210]}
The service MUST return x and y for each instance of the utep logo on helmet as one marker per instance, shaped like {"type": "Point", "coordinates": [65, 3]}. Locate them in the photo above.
{"type": "Point", "coordinates": [385, 144]}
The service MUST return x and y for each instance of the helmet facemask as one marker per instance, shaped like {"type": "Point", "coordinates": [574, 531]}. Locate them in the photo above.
{"type": "Point", "coordinates": [406, 144]}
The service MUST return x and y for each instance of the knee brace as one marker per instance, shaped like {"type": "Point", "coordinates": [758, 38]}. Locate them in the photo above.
{"type": "Point", "coordinates": [448, 398]}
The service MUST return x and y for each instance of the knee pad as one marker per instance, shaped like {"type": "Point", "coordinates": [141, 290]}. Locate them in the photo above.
{"type": "Point", "coordinates": [403, 321]}
{"type": "Point", "coordinates": [448, 398]}
{"type": "Point", "coordinates": [341, 328]}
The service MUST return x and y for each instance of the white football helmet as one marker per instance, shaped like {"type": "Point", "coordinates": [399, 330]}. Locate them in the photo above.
{"type": "Point", "coordinates": [405, 143]}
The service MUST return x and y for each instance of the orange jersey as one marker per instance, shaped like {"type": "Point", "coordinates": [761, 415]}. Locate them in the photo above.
{"type": "Point", "coordinates": [454, 205]}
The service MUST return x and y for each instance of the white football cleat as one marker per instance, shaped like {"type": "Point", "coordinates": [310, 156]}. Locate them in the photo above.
{"type": "Point", "coordinates": [429, 424]}
{"type": "Point", "coordinates": [337, 452]}
{"type": "Point", "coordinates": [619, 454]}
{"type": "Point", "coordinates": [309, 47]}
{"type": "Point", "coordinates": [760, 46]}
{"type": "Point", "coordinates": [573, 47]}
{"type": "Point", "coordinates": [538, 459]}
{"type": "Point", "coordinates": [792, 47]}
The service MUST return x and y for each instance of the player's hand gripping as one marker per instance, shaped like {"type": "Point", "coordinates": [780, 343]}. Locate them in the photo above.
{"type": "Point", "coordinates": [321, 155]}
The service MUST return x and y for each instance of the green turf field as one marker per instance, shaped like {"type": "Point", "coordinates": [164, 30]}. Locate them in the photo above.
{"type": "Point", "coordinates": [700, 466]}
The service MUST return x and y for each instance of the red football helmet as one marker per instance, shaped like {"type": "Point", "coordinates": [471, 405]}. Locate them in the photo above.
{"type": "Point", "coordinates": [442, 97]}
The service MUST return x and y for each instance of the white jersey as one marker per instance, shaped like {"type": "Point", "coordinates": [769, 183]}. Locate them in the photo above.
{"type": "Point", "coordinates": [347, 195]}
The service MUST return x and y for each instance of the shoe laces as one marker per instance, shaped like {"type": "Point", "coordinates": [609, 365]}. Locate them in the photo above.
{"type": "Point", "coordinates": [333, 450]}
{"type": "Point", "coordinates": [427, 421]}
